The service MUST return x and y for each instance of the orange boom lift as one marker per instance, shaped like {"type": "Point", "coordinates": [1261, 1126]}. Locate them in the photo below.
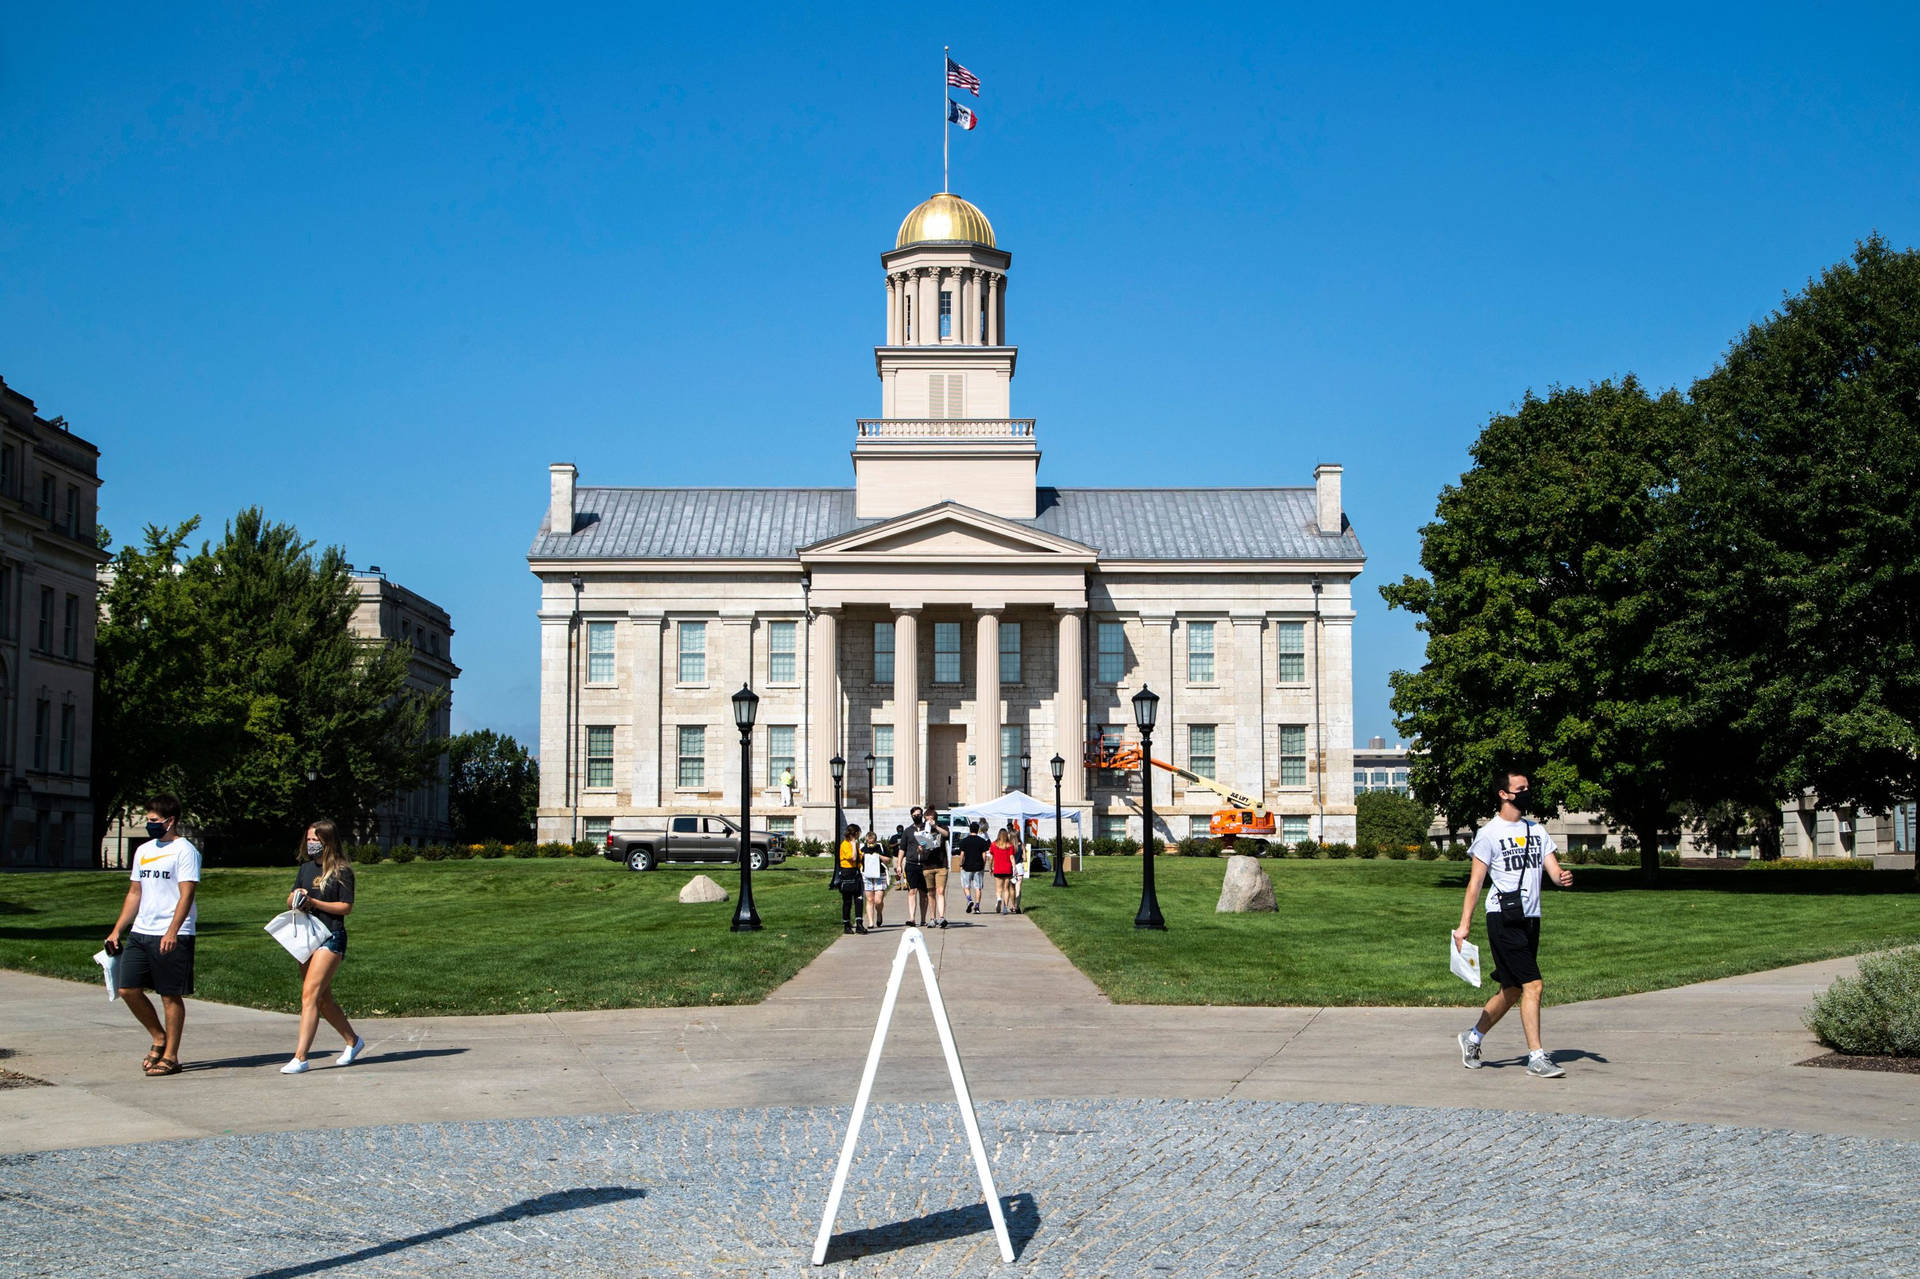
{"type": "Point", "coordinates": [1244, 816]}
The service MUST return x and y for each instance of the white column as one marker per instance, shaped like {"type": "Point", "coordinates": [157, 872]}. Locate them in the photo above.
{"type": "Point", "coordinates": [1248, 679]}
{"type": "Point", "coordinates": [927, 326]}
{"type": "Point", "coordinates": [1070, 705]}
{"type": "Point", "coordinates": [968, 320]}
{"type": "Point", "coordinates": [908, 789]}
{"type": "Point", "coordinates": [647, 685]}
{"type": "Point", "coordinates": [993, 303]}
{"type": "Point", "coordinates": [823, 711]}
{"type": "Point", "coordinates": [999, 310]}
{"type": "Point", "coordinates": [893, 312]}
{"type": "Point", "coordinates": [986, 705]}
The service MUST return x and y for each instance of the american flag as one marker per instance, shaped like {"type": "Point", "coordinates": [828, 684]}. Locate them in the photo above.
{"type": "Point", "coordinates": [960, 77]}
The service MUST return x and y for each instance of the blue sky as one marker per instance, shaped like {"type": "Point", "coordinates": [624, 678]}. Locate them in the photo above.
{"type": "Point", "coordinates": [374, 267]}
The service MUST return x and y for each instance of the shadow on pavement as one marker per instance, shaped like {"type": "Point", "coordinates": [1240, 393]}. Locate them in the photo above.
{"type": "Point", "coordinates": [557, 1201]}
{"type": "Point", "coordinates": [1023, 1220]}
{"type": "Point", "coordinates": [277, 1059]}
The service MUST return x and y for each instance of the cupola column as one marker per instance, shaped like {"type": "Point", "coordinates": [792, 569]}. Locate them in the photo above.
{"type": "Point", "coordinates": [967, 322]}
{"type": "Point", "coordinates": [993, 310]}
{"type": "Point", "coordinates": [893, 308]}
{"type": "Point", "coordinates": [927, 328]}
{"type": "Point", "coordinates": [999, 310]}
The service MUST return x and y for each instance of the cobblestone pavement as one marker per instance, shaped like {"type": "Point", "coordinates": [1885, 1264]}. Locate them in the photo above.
{"type": "Point", "coordinates": [1108, 1188]}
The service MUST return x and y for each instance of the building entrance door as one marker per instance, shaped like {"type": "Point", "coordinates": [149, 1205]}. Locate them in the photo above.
{"type": "Point", "coordinates": [946, 765]}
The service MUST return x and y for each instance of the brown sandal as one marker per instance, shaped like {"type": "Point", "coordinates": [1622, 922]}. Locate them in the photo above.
{"type": "Point", "coordinates": [154, 1054]}
{"type": "Point", "coordinates": [164, 1066]}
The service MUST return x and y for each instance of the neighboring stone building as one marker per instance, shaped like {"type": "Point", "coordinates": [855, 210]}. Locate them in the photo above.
{"type": "Point", "coordinates": [1806, 829]}
{"type": "Point", "coordinates": [870, 619]}
{"type": "Point", "coordinates": [391, 611]}
{"type": "Point", "coordinates": [49, 486]}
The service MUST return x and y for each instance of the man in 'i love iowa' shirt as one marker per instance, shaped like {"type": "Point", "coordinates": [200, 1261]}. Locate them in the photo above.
{"type": "Point", "coordinates": [160, 907]}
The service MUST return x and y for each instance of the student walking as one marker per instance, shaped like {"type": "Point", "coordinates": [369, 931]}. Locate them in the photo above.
{"type": "Point", "coordinates": [846, 877]}
{"type": "Point", "coordinates": [973, 866]}
{"type": "Point", "coordinates": [873, 879]}
{"type": "Point", "coordinates": [324, 889]}
{"type": "Point", "coordinates": [915, 855]}
{"type": "Point", "coordinates": [1511, 854]}
{"type": "Point", "coordinates": [934, 860]}
{"type": "Point", "coordinates": [162, 906]}
{"type": "Point", "coordinates": [1002, 854]}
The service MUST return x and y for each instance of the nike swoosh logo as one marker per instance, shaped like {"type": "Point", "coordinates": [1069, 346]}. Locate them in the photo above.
{"type": "Point", "coordinates": [148, 861]}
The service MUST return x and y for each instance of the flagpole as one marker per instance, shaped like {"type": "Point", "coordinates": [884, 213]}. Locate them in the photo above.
{"type": "Point", "coordinates": [946, 123]}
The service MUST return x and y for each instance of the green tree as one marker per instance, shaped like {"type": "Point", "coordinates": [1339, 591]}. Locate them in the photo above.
{"type": "Point", "coordinates": [1800, 505]}
{"type": "Point", "coordinates": [493, 787]}
{"type": "Point", "coordinates": [1391, 820]}
{"type": "Point", "coordinates": [1546, 615]}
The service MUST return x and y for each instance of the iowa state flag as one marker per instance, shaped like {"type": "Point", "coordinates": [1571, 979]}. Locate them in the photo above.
{"type": "Point", "coordinates": [957, 114]}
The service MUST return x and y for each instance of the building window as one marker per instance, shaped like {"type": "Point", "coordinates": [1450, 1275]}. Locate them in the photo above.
{"type": "Point", "coordinates": [1400, 780]}
{"type": "Point", "coordinates": [782, 647]}
{"type": "Point", "coordinates": [907, 314]}
{"type": "Point", "coordinates": [46, 498]}
{"type": "Point", "coordinates": [1009, 652]}
{"type": "Point", "coordinates": [594, 829]}
{"type": "Point", "coordinates": [600, 652]}
{"type": "Point", "coordinates": [779, 752]}
{"type": "Point", "coordinates": [946, 652]}
{"type": "Point", "coordinates": [1200, 756]}
{"type": "Point", "coordinates": [1200, 652]}
{"type": "Point", "coordinates": [70, 637]}
{"type": "Point", "coordinates": [882, 755]}
{"type": "Point", "coordinates": [1012, 740]}
{"type": "Point", "coordinates": [693, 652]}
{"type": "Point", "coordinates": [6, 602]}
{"type": "Point", "coordinates": [780, 825]}
{"type": "Point", "coordinates": [946, 313]}
{"type": "Point", "coordinates": [42, 727]}
{"type": "Point", "coordinates": [1294, 829]}
{"type": "Point", "coordinates": [1112, 826]}
{"type": "Point", "coordinates": [1112, 737]}
{"type": "Point", "coordinates": [1292, 668]}
{"type": "Point", "coordinates": [600, 755]}
{"type": "Point", "coordinates": [1112, 652]}
{"type": "Point", "coordinates": [73, 510]}
{"type": "Point", "coordinates": [46, 619]}
{"type": "Point", "coordinates": [946, 395]}
{"type": "Point", "coordinates": [1293, 754]}
{"type": "Point", "coordinates": [8, 478]}
{"type": "Point", "coordinates": [883, 652]}
{"type": "Point", "coordinates": [1359, 781]}
{"type": "Point", "coordinates": [1382, 779]}
{"type": "Point", "coordinates": [693, 756]}
{"type": "Point", "coordinates": [67, 718]}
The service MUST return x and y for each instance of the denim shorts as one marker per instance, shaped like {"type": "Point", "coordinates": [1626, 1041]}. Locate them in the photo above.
{"type": "Point", "coordinates": [336, 942]}
{"type": "Point", "coordinates": [975, 880]}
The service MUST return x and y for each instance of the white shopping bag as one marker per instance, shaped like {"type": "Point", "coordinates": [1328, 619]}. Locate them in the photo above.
{"type": "Point", "coordinates": [1464, 959]}
{"type": "Point", "coordinates": [110, 970]}
{"type": "Point", "coordinates": [299, 932]}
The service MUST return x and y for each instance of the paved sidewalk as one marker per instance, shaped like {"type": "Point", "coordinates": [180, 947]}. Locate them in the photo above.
{"type": "Point", "coordinates": [1029, 1026]}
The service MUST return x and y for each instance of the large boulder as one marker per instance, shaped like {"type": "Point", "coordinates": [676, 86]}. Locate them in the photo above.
{"type": "Point", "coordinates": [1246, 887]}
{"type": "Point", "coordinates": [702, 889]}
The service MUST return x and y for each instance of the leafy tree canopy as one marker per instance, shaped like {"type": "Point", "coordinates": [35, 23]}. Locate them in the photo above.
{"type": "Point", "coordinates": [494, 787]}
{"type": "Point", "coordinates": [1391, 820]}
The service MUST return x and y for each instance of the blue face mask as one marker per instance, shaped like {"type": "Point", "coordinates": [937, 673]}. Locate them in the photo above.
{"type": "Point", "coordinates": [156, 830]}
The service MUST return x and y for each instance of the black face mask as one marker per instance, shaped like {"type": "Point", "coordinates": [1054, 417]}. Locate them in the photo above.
{"type": "Point", "coordinates": [1522, 800]}
{"type": "Point", "coordinates": [156, 830]}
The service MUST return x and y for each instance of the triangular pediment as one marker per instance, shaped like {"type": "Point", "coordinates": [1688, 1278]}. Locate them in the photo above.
{"type": "Point", "coordinates": [949, 531]}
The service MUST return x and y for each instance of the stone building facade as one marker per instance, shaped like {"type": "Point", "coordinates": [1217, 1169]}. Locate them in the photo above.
{"type": "Point", "coordinates": [49, 489]}
{"type": "Point", "coordinates": [387, 610]}
{"type": "Point", "coordinates": [946, 614]}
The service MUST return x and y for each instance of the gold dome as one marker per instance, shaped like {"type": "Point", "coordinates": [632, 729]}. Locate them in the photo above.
{"type": "Point", "coordinates": [945, 217]}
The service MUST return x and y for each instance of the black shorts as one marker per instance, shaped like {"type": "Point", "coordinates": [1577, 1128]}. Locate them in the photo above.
{"type": "Point", "coordinates": [143, 967]}
{"type": "Point", "coordinates": [917, 877]}
{"type": "Point", "coordinates": [1516, 949]}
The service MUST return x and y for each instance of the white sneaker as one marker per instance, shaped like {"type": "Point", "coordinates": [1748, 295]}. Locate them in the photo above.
{"type": "Point", "coordinates": [295, 1067]}
{"type": "Point", "coordinates": [1541, 1066]}
{"type": "Point", "coordinates": [1469, 1052]}
{"type": "Point", "coordinates": [351, 1052]}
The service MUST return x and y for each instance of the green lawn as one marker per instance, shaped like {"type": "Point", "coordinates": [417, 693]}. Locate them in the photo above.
{"type": "Point", "coordinates": [502, 936]}
{"type": "Point", "coordinates": [1375, 932]}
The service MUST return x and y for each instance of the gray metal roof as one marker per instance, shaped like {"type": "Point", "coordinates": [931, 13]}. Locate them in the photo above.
{"type": "Point", "coordinates": [771, 524]}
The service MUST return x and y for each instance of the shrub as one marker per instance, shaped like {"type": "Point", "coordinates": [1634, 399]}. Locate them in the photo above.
{"type": "Point", "coordinates": [1306, 848]}
{"type": "Point", "coordinates": [404, 853]}
{"type": "Point", "coordinates": [1813, 863]}
{"type": "Point", "coordinates": [1198, 846]}
{"type": "Point", "coordinates": [1400, 852]}
{"type": "Point", "coordinates": [434, 852]}
{"type": "Point", "coordinates": [524, 848]}
{"type": "Point", "coordinates": [809, 848]}
{"type": "Point", "coordinates": [1455, 853]}
{"type": "Point", "coordinates": [363, 854]}
{"type": "Point", "coordinates": [588, 848]}
{"type": "Point", "coordinates": [554, 848]}
{"type": "Point", "coordinates": [1338, 852]}
{"type": "Point", "coordinates": [492, 848]}
{"type": "Point", "coordinates": [1876, 1014]}
{"type": "Point", "coordinates": [1366, 848]}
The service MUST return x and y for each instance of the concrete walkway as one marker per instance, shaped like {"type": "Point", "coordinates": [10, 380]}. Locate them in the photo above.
{"type": "Point", "coordinates": [1030, 1026]}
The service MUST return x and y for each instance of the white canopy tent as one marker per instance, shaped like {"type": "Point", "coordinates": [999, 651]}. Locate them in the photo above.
{"type": "Point", "coordinates": [1017, 806]}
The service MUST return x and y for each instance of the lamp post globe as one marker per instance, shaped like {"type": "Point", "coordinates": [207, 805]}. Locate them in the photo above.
{"type": "Point", "coordinates": [1146, 710]}
{"type": "Point", "coordinates": [1026, 773]}
{"type": "Point", "coordinates": [746, 707]}
{"type": "Point", "coordinates": [1059, 767]}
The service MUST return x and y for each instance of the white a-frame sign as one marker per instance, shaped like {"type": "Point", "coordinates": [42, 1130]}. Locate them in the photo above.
{"type": "Point", "coordinates": [913, 941]}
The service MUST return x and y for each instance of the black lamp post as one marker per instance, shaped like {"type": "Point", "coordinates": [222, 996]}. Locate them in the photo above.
{"type": "Point", "coordinates": [870, 821]}
{"type": "Point", "coordinates": [746, 705]}
{"type": "Point", "coordinates": [1059, 767]}
{"type": "Point", "coordinates": [1146, 708]}
{"type": "Point", "coordinates": [838, 767]}
{"type": "Point", "coordinates": [1026, 773]}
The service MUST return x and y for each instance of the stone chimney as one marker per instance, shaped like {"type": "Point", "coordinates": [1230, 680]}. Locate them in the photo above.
{"type": "Point", "coordinates": [560, 506]}
{"type": "Point", "coordinates": [1326, 484]}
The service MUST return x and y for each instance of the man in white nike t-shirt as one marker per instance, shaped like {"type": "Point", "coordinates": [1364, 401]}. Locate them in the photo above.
{"type": "Point", "coordinates": [161, 908]}
{"type": "Point", "coordinates": [1510, 855]}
